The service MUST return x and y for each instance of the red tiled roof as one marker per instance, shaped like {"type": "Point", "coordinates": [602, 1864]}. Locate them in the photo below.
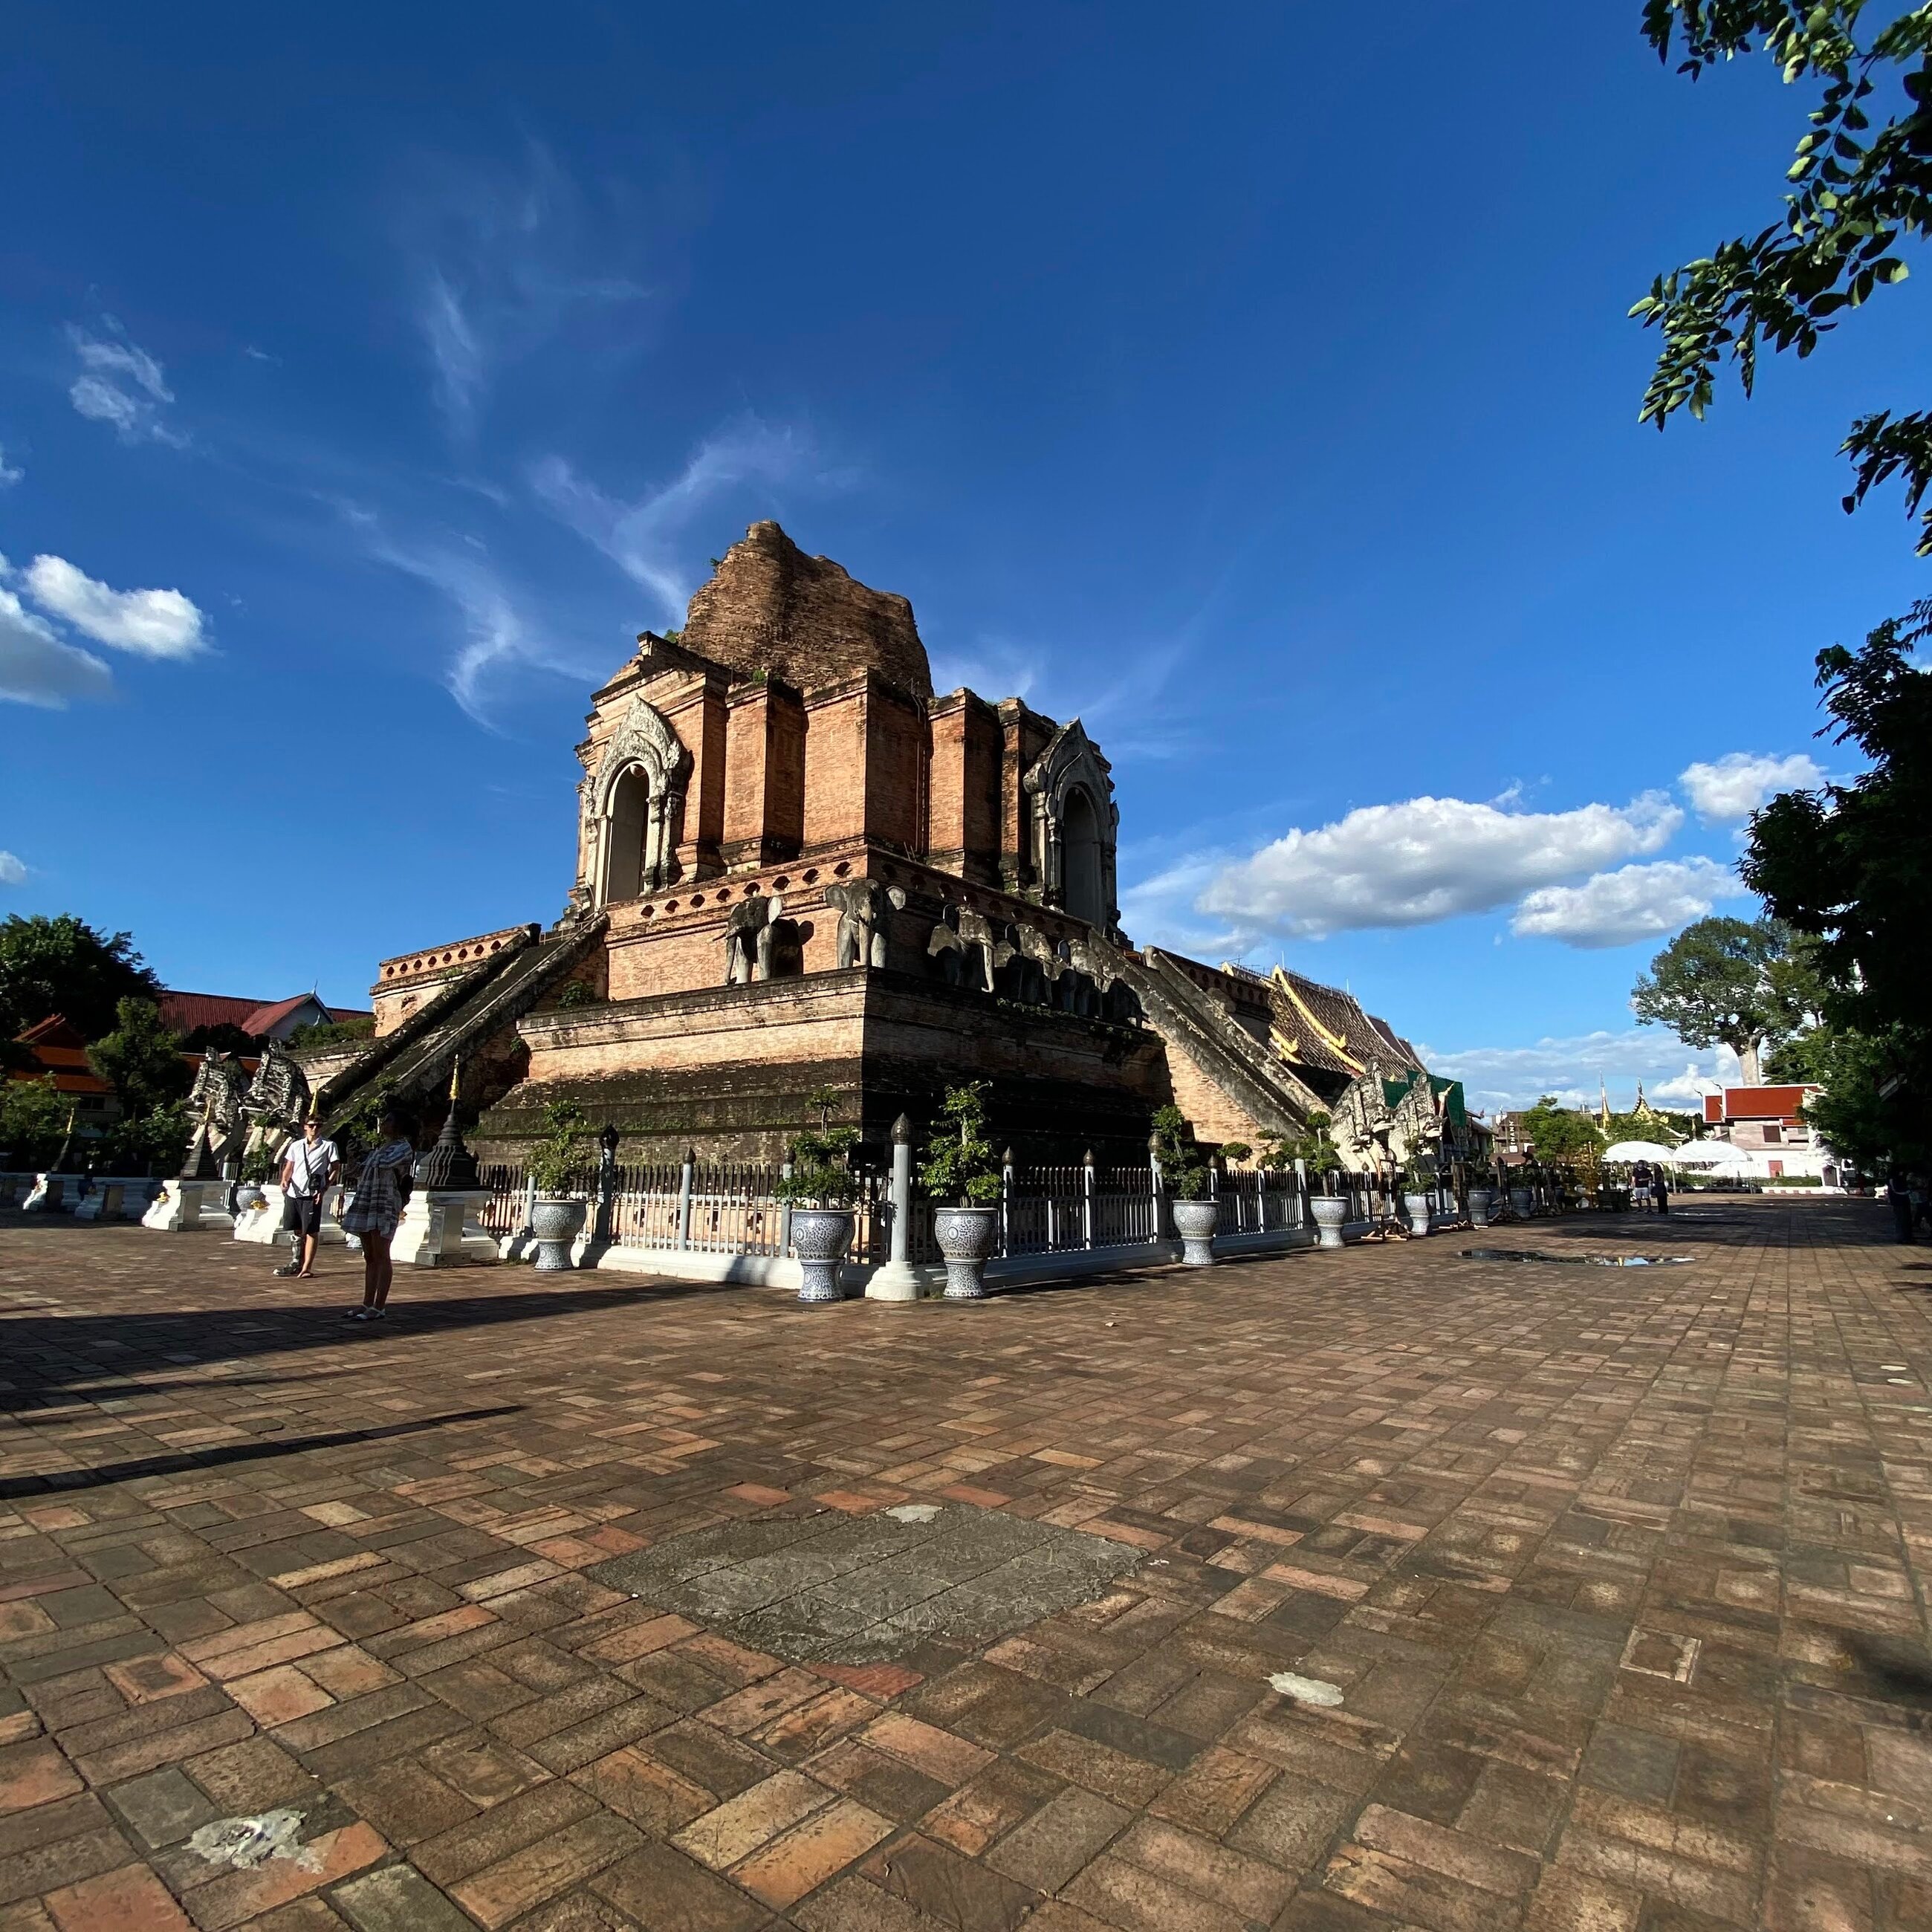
{"type": "Point", "coordinates": [263, 1017]}
{"type": "Point", "coordinates": [1764, 1103]}
{"type": "Point", "coordinates": [56, 1030]}
{"type": "Point", "coordinates": [185, 1012]}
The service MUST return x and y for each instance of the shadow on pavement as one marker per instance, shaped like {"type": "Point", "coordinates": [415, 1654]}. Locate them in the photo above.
{"type": "Point", "coordinates": [43, 1350]}
{"type": "Point", "coordinates": [188, 1460]}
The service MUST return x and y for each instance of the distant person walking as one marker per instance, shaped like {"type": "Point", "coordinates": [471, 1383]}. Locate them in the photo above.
{"type": "Point", "coordinates": [311, 1165]}
{"type": "Point", "coordinates": [1904, 1209]}
{"type": "Point", "coordinates": [374, 1209]}
{"type": "Point", "coordinates": [1660, 1190]}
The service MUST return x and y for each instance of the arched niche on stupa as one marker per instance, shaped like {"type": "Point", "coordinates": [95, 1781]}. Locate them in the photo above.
{"type": "Point", "coordinates": [633, 808]}
{"type": "Point", "coordinates": [1075, 827]}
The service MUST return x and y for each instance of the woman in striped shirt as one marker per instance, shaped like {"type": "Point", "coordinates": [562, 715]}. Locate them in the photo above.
{"type": "Point", "coordinates": [374, 1210]}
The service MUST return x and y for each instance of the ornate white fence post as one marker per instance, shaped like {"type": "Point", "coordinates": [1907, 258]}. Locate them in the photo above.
{"type": "Point", "coordinates": [684, 1181]}
{"type": "Point", "coordinates": [785, 1213]}
{"type": "Point", "coordinates": [1161, 1230]}
{"type": "Point", "coordinates": [900, 1233]}
{"type": "Point", "coordinates": [606, 1185]}
{"type": "Point", "coordinates": [1006, 1202]}
{"type": "Point", "coordinates": [1087, 1199]}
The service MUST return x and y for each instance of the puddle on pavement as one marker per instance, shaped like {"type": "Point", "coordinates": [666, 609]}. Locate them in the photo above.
{"type": "Point", "coordinates": [1576, 1261]}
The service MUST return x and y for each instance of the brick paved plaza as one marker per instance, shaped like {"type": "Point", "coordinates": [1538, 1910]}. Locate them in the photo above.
{"type": "Point", "coordinates": [1619, 1574]}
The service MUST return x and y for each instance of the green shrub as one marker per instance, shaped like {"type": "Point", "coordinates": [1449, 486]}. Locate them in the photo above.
{"type": "Point", "coordinates": [327, 1033]}
{"type": "Point", "coordinates": [821, 1173]}
{"type": "Point", "coordinates": [961, 1165]}
{"type": "Point", "coordinates": [1182, 1170]}
{"type": "Point", "coordinates": [561, 1155]}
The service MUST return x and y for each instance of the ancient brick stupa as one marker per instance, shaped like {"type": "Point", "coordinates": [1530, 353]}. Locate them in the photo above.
{"type": "Point", "coordinates": [797, 868]}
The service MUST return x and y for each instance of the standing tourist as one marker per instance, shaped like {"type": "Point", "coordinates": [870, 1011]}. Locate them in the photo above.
{"type": "Point", "coordinates": [310, 1166]}
{"type": "Point", "coordinates": [1898, 1197]}
{"type": "Point", "coordinates": [1660, 1189]}
{"type": "Point", "coordinates": [381, 1190]}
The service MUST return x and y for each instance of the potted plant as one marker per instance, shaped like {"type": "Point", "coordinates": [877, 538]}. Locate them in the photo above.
{"type": "Point", "coordinates": [258, 1166]}
{"type": "Point", "coordinates": [1185, 1174]}
{"type": "Point", "coordinates": [1416, 1176]}
{"type": "Point", "coordinates": [821, 1188]}
{"type": "Point", "coordinates": [961, 1172]}
{"type": "Point", "coordinates": [1482, 1192]}
{"type": "Point", "coordinates": [1322, 1160]}
{"type": "Point", "coordinates": [558, 1213]}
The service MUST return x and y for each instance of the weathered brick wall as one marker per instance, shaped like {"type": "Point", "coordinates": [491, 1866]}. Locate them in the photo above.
{"type": "Point", "coordinates": [727, 1069]}
{"type": "Point", "coordinates": [768, 606]}
{"type": "Point", "coordinates": [963, 815]}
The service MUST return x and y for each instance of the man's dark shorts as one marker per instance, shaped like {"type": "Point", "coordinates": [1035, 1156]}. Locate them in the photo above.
{"type": "Point", "coordinates": [301, 1214]}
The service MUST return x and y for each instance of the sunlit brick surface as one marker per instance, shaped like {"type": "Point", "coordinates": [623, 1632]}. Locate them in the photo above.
{"type": "Point", "coordinates": [1620, 1574]}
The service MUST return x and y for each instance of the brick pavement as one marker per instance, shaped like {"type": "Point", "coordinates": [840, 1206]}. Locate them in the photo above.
{"type": "Point", "coordinates": [1620, 1575]}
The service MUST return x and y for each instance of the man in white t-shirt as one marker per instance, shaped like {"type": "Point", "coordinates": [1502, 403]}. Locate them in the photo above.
{"type": "Point", "coordinates": [310, 1166]}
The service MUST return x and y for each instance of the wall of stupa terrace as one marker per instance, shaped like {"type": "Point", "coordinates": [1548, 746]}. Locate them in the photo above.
{"type": "Point", "coordinates": [411, 980]}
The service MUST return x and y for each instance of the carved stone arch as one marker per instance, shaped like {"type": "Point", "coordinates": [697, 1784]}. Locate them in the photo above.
{"type": "Point", "coordinates": [634, 793]}
{"type": "Point", "coordinates": [1076, 827]}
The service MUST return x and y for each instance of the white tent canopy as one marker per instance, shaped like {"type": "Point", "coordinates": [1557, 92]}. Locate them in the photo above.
{"type": "Point", "coordinates": [1715, 1155]}
{"type": "Point", "coordinates": [1649, 1150]}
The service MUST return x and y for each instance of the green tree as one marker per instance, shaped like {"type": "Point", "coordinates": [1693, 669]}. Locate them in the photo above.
{"type": "Point", "coordinates": [34, 1119]}
{"type": "Point", "coordinates": [141, 1059]}
{"type": "Point", "coordinates": [62, 965]}
{"type": "Point", "coordinates": [961, 1164]}
{"type": "Point", "coordinates": [1850, 863]}
{"type": "Point", "coordinates": [1183, 1172]}
{"type": "Point", "coordinates": [1856, 190]}
{"type": "Point", "coordinates": [1713, 984]}
{"type": "Point", "coordinates": [1557, 1132]}
{"type": "Point", "coordinates": [1847, 862]}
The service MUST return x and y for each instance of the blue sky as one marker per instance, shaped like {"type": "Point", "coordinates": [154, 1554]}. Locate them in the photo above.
{"type": "Point", "coordinates": [1255, 384]}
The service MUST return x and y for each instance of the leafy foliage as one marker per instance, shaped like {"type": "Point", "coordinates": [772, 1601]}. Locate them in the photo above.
{"type": "Point", "coordinates": [33, 1120]}
{"type": "Point", "coordinates": [224, 1037]}
{"type": "Point", "coordinates": [560, 1157]}
{"type": "Point", "coordinates": [1855, 193]}
{"type": "Point", "coordinates": [1183, 1173]}
{"type": "Point", "coordinates": [141, 1059]}
{"type": "Point", "coordinates": [961, 1164]}
{"type": "Point", "coordinates": [145, 1142]}
{"type": "Point", "coordinates": [1236, 1151]}
{"type": "Point", "coordinates": [1850, 864]}
{"type": "Point", "coordinates": [60, 964]}
{"type": "Point", "coordinates": [578, 993]}
{"type": "Point", "coordinates": [324, 1034]}
{"type": "Point", "coordinates": [821, 1173]}
{"type": "Point", "coordinates": [1714, 982]}
{"type": "Point", "coordinates": [1559, 1133]}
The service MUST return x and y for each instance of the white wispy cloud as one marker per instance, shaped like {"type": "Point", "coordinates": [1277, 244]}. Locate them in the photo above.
{"type": "Point", "coordinates": [1572, 1067]}
{"type": "Point", "coordinates": [121, 385]}
{"type": "Point", "coordinates": [497, 633]}
{"type": "Point", "coordinates": [645, 537]}
{"type": "Point", "coordinates": [37, 667]}
{"type": "Point", "coordinates": [1633, 902]}
{"type": "Point", "coordinates": [1423, 860]}
{"type": "Point", "coordinates": [11, 473]}
{"type": "Point", "coordinates": [1727, 790]}
{"type": "Point", "coordinates": [150, 623]}
{"type": "Point", "coordinates": [507, 259]}
{"type": "Point", "coordinates": [13, 871]}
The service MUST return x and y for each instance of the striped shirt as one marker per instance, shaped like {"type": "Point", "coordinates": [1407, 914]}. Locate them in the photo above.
{"type": "Point", "coordinates": [377, 1204]}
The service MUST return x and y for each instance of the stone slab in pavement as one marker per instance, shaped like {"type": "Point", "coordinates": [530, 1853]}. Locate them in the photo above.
{"type": "Point", "coordinates": [578, 1606]}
